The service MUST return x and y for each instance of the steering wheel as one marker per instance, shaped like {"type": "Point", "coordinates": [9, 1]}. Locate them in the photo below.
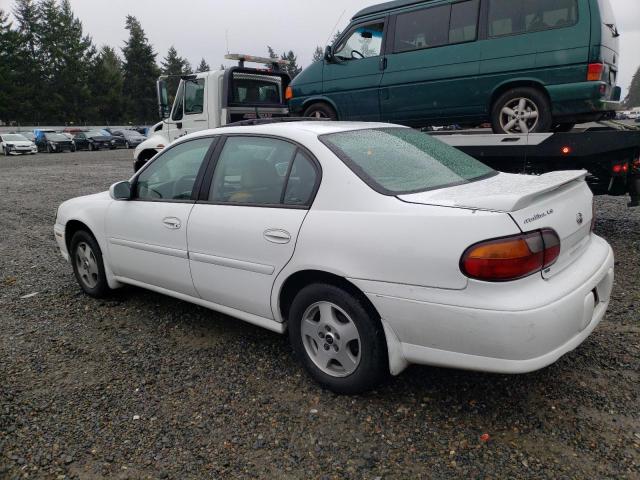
{"type": "Point", "coordinates": [355, 54]}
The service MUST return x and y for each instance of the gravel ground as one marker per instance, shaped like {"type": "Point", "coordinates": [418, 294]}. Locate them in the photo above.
{"type": "Point", "coordinates": [144, 386]}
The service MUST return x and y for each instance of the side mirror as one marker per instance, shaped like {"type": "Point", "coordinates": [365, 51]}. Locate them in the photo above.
{"type": "Point", "coordinates": [163, 99]}
{"type": "Point", "coordinates": [328, 53]}
{"type": "Point", "coordinates": [120, 191]}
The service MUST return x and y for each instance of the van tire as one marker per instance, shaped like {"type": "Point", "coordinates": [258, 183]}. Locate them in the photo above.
{"type": "Point", "coordinates": [321, 110]}
{"type": "Point", "coordinates": [535, 99]}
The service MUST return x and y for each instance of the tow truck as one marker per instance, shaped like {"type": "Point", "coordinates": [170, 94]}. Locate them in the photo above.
{"type": "Point", "coordinates": [216, 98]}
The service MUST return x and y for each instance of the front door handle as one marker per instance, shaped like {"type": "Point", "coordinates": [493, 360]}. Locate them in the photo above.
{"type": "Point", "coordinates": [276, 235]}
{"type": "Point", "coordinates": [172, 223]}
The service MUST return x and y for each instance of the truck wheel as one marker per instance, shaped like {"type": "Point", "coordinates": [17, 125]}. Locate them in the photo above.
{"type": "Point", "coordinates": [521, 110]}
{"type": "Point", "coordinates": [341, 346]}
{"type": "Point", "coordinates": [321, 110]}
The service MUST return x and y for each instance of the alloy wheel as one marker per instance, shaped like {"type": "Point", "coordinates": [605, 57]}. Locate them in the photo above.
{"type": "Point", "coordinates": [331, 339]}
{"type": "Point", "coordinates": [519, 115]}
{"type": "Point", "coordinates": [87, 265]}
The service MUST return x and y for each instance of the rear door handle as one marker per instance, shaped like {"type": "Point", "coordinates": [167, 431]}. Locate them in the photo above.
{"type": "Point", "coordinates": [172, 223]}
{"type": "Point", "coordinates": [276, 235]}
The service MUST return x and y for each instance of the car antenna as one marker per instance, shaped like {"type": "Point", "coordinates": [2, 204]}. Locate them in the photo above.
{"type": "Point", "coordinates": [335, 26]}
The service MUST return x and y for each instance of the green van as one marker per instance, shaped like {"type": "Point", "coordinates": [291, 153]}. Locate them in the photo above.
{"type": "Point", "coordinates": [523, 65]}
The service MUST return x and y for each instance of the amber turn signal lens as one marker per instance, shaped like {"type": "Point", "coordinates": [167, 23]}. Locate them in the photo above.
{"type": "Point", "coordinates": [288, 94]}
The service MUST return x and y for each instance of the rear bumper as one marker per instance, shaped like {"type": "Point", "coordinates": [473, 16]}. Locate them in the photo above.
{"type": "Point", "coordinates": [582, 98]}
{"type": "Point", "coordinates": [511, 339]}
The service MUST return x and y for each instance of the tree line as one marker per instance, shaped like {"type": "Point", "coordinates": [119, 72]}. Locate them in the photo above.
{"type": "Point", "coordinates": [51, 72]}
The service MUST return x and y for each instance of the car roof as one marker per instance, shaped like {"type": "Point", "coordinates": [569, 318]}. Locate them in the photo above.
{"type": "Point", "coordinates": [314, 128]}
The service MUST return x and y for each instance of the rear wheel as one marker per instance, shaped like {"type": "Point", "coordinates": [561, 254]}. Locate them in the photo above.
{"type": "Point", "coordinates": [339, 343]}
{"type": "Point", "coordinates": [521, 110]}
{"type": "Point", "coordinates": [321, 110]}
{"type": "Point", "coordinates": [88, 267]}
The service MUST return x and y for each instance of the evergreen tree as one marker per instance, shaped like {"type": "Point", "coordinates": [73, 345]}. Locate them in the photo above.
{"type": "Point", "coordinates": [174, 66]}
{"type": "Point", "coordinates": [106, 87]}
{"type": "Point", "coordinates": [9, 110]}
{"type": "Point", "coordinates": [318, 55]}
{"type": "Point", "coordinates": [203, 67]}
{"type": "Point", "coordinates": [140, 74]}
{"type": "Point", "coordinates": [292, 68]}
{"type": "Point", "coordinates": [29, 89]}
{"type": "Point", "coordinates": [633, 96]}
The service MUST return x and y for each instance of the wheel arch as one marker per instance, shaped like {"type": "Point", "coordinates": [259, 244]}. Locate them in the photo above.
{"type": "Point", "coordinates": [516, 83]}
{"type": "Point", "coordinates": [71, 228]}
{"type": "Point", "coordinates": [320, 99]}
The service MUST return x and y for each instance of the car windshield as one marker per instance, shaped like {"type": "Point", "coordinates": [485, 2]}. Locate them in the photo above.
{"type": "Point", "coordinates": [57, 137]}
{"type": "Point", "coordinates": [95, 133]}
{"type": "Point", "coordinates": [14, 137]}
{"type": "Point", "coordinates": [396, 161]}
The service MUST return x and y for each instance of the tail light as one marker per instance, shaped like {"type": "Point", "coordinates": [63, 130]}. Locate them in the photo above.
{"type": "Point", "coordinates": [620, 168]}
{"type": "Point", "coordinates": [594, 72]}
{"type": "Point", "coordinates": [288, 94]}
{"type": "Point", "coordinates": [511, 258]}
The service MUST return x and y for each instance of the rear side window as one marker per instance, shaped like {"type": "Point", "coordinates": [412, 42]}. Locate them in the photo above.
{"type": "Point", "coordinates": [507, 17]}
{"type": "Point", "coordinates": [396, 161]}
{"type": "Point", "coordinates": [422, 29]}
{"type": "Point", "coordinates": [464, 22]}
{"type": "Point", "coordinates": [248, 89]}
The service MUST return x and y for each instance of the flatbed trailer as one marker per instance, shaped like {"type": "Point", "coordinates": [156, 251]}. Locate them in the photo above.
{"type": "Point", "coordinates": [609, 151]}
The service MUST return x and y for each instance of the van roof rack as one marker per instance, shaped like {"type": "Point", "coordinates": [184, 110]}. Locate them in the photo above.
{"type": "Point", "coordinates": [241, 58]}
{"type": "Point", "coordinates": [267, 121]}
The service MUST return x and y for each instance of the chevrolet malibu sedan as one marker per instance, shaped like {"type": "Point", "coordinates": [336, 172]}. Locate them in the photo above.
{"type": "Point", "coordinates": [375, 246]}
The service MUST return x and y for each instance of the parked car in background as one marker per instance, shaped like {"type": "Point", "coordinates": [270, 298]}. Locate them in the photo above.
{"type": "Point", "coordinates": [634, 113]}
{"type": "Point", "coordinates": [28, 135]}
{"type": "Point", "coordinates": [438, 260]}
{"type": "Point", "coordinates": [16, 144]}
{"type": "Point", "coordinates": [53, 142]}
{"type": "Point", "coordinates": [129, 138]}
{"type": "Point", "coordinates": [525, 66]}
{"type": "Point", "coordinates": [93, 140]}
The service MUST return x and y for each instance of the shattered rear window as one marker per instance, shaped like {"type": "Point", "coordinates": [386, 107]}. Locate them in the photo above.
{"type": "Point", "coordinates": [396, 161]}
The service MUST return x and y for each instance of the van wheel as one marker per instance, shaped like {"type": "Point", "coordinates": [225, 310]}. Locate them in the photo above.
{"type": "Point", "coordinates": [88, 266]}
{"type": "Point", "coordinates": [321, 110]}
{"type": "Point", "coordinates": [341, 346]}
{"type": "Point", "coordinates": [521, 110]}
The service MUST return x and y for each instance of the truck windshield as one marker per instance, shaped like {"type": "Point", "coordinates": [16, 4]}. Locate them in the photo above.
{"type": "Point", "coordinates": [256, 90]}
{"type": "Point", "coordinates": [396, 161]}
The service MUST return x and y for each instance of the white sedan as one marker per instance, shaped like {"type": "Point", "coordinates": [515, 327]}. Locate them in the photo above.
{"type": "Point", "coordinates": [374, 245]}
{"type": "Point", "coordinates": [16, 144]}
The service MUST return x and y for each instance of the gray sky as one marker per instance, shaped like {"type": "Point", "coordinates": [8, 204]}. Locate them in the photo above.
{"type": "Point", "coordinates": [197, 27]}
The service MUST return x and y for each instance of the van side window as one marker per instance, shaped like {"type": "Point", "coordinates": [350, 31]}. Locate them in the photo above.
{"type": "Point", "coordinates": [363, 42]}
{"type": "Point", "coordinates": [507, 17]}
{"type": "Point", "coordinates": [422, 29]}
{"type": "Point", "coordinates": [464, 22]}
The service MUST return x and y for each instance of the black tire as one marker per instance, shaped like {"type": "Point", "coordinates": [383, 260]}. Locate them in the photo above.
{"type": "Point", "coordinates": [321, 110]}
{"type": "Point", "coordinates": [101, 288]}
{"type": "Point", "coordinates": [563, 127]}
{"type": "Point", "coordinates": [49, 149]}
{"type": "Point", "coordinates": [73, 148]}
{"type": "Point", "coordinates": [5, 151]}
{"type": "Point", "coordinates": [91, 148]}
{"type": "Point", "coordinates": [545, 120]}
{"type": "Point", "coordinates": [372, 368]}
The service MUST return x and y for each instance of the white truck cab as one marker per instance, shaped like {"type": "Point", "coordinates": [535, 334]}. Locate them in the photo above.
{"type": "Point", "coordinates": [214, 99]}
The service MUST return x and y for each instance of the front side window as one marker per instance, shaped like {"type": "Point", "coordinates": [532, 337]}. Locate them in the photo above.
{"type": "Point", "coordinates": [422, 29]}
{"type": "Point", "coordinates": [194, 96]}
{"type": "Point", "coordinates": [363, 42]}
{"type": "Point", "coordinates": [507, 17]}
{"type": "Point", "coordinates": [172, 175]}
{"type": "Point", "coordinates": [397, 161]}
{"type": "Point", "coordinates": [252, 170]}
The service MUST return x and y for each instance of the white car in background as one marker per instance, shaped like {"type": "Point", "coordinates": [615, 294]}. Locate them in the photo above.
{"type": "Point", "coordinates": [16, 144]}
{"type": "Point", "coordinates": [374, 245]}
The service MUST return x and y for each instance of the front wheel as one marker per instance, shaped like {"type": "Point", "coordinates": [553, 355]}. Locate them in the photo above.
{"type": "Point", "coordinates": [49, 149]}
{"type": "Point", "coordinates": [341, 345]}
{"type": "Point", "coordinates": [88, 266]}
{"type": "Point", "coordinates": [5, 151]}
{"type": "Point", "coordinates": [321, 110]}
{"type": "Point", "coordinates": [521, 110]}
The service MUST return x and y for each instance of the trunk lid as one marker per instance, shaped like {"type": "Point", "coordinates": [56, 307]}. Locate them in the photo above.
{"type": "Point", "coordinates": [558, 200]}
